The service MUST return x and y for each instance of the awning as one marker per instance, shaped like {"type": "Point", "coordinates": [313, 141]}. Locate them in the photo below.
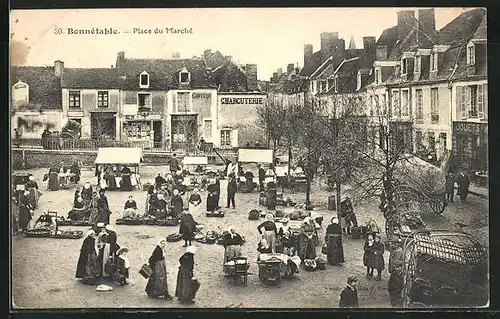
{"type": "Point", "coordinates": [119, 156]}
{"type": "Point", "coordinates": [246, 155]}
{"type": "Point", "coordinates": [195, 160]}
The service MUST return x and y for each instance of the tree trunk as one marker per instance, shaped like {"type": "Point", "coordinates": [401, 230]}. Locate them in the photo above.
{"type": "Point", "coordinates": [308, 189]}
{"type": "Point", "coordinates": [289, 162]}
{"type": "Point", "coordinates": [338, 189]}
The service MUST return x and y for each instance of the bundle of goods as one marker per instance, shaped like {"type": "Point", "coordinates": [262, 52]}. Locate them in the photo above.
{"type": "Point", "coordinates": [169, 221]}
{"type": "Point", "coordinates": [314, 264]}
{"type": "Point", "coordinates": [129, 221]}
{"type": "Point", "coordinates": [61, 221]}
{"type": "Point", "coordinates": [174, 237]}
{"type": "Point", "coordinates": [254, 214]}
{"type": "Point", "coordinates": [230, 266]}
{"type": "Point", "coordinates": [211, 237]}
{"type": "Point", "coordinates": [279, 213]}
{"type": "Point", "coordinates": [356, 232]}
{"type": "Point", "coordinates": [295, 215]}
{"type": "Point", "coordinates": [80, 223]}
{"type": "Point", "coordinates": [216, 213]}
{"type": "Point", "coordinates": [67, 234]}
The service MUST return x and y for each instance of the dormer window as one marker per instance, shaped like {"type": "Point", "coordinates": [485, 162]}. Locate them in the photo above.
{"type": "Point", "coordinates": [471, 54]}
{"type": "Point", "coordinates": [378, 76]}
{"type": "Point", "coordinates": [418, 63]}
{"type": "Point", "coordinates": [184, 76]}
{"type": "Point", "coordinates": [434, 61]}
{"type": "Point", "coordinates": [144, 80]}
{"type": "Point", "coordinates": [20, 93]}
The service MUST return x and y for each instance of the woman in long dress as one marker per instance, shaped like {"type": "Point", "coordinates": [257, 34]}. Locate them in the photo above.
{"type": "Point", "coordinates": [157, 282]}
{"type": "Point", "coordinates": [185, 290]}
{"type": "Point", "coordinates": [94, 209]}
{"type": "Point", "coordinates": [333, 238]}
{"type": "Point", "coordinates": [88, 266]}
{"type": "Point", "coordinates": [307, 249]}
{"type": "Point", "coordinates": [194, 201]}
{"type": "Point", "coordinates": [25, 211]}
{"type": "Point", "coordinates": [32, 187]}
{"type": "Point", "coordinates": [126, 182]}
{"type": "Point", "coordinates": [187, 228]}
{"type": "Point", "coordinates": [111, 179]}
{"type": "Point", "coordinates": [104, 255]}
{"type": "Point", "coordinates": [212, 198]}
{"type": "Point", "coordinates": [270, 231]}
{"type": "Point", "coordinates": [86, 194]}
{"type": "Point", "coordinates": [176, 204]}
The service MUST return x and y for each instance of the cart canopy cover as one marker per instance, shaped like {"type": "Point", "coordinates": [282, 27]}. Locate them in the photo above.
{"type": "Point", "coordinates": [119, 156]}
{"type": "Point", "coordinates": [448, 250]}
{"type": "Point", "coordinates": [255, 156]}
{"type": "Point", "coordinates": [421, 175]}
{"type": "Point", "coordinates": [195, 160]}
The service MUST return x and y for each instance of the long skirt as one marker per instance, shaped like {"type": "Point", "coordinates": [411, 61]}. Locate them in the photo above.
{"type": "Point", "coordinates": [184, 289]}
{"type": "Point", "coordinates": [231, 252]}
{"type": "Point", "coordinates": [24, 218]}
{"type": "Point", "coordinates": [111, 181]}
{"type": "Point", "coordinates": [335, 250]}
{"type": "Point", "coordinates": [157, 283]}
{"type": "Point", "coordinates": [33, 196]}
{"type": "Point", "coordinates": [126, 183]}
{"type": "Point", "coordinates": [94, 216]}
{"type": "Point", "coordinates": [53, 184]}
{"type": "Point", "coordinates": [92, 269]}
{"type": "Point", "coordinates": [77, 215]}
{"type": "Point", "coordinates": [270, 237]}
{"type": "Point", "coordinates": [130, 213]}
{"type": "Point", "coordinates": [307, 249]}
{"type": "Point", "coordinates": [212, 203]}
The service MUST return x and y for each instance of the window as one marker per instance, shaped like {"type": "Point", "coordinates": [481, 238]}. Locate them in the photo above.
{"type": "Point", "coordinates": [184, 77]}
{"type": "Point", "coordinates": [144, 100]}
{"type": "Point", "coordinates": [358, 86]}
{"type": "Point", "coordinates": [473, 109]}
{"type": "Point", "coordinates": [336, 84]}
{"type": "Point", "coordinates": [471, 55]}
{"type": "Point", "coordinates": [183, 102]}
{"type": "Point", "coordinates": [378, 78]}
{"type": "Point", "coordinates": [405, 96]}
{"type": "Point", "coordinates": [443, 140]}
{"type": "Point", "coordinates": [225, 138]}
{"type": "Point", "coordinates": [431, 142]}
{"type": "Point", "coordinates": [74, 99]}
{"type": "Point", "coordinates": [434, 106]}
{"type": "Point", "coordinates": [395, 103]}
{"type": "Point", "coordinates": [330, 83]}
{"type": "Point", "coordinates": [434, 61]}
{"type": "Point", "coordinates": [207, 130]}
{"type": "Point", "coordinates": [419, 114]}
{"type": "Point", "coordinates": [418, 62]}
{"type": "Point", "coordinates": [418, 139]}
{"type": "Point", "coordinates": [322, 86]}
{"type": "Point", "coordinates": [20, 93]}
{"type": "Point", "coordinates": [144, 80]}
{"type": "Point", "coordinates": [102, 99]}
{"type": "Point", "coordinates": [404, 66]}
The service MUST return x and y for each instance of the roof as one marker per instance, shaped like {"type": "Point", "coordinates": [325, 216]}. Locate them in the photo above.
{"type": "Point", "coordinates": [462, 27]}
{"type": "Point", "coordinates": [481, 32]}
{"type": "Point", "coordinates": [230, 78]}
{"type": "Point", "coordinates": [389, 37]}
{"type": "Point", "coordinates": [349, 67]}
{"type": "Point", "coordinates": [90, 78]}
{"type": "Point", "coordinates": [119, 155]}
{"type": "Point", "coordinates": [163, 73]}
{"type": "Point", "coordinates": [312, 64]}
{"type": "Point", "coordinates": [44, 86]}
{"type": "Point", "coordinates": [215, 59]}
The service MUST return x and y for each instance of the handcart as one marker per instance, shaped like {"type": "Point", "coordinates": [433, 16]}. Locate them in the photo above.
{"type": "Point", "coordinates": [237, 269]}
{"type": "Point", "coordinates": [269, 271]}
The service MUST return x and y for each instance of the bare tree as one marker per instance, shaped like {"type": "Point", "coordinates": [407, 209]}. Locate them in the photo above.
{"type": "Point", "coordinates": [101, 130]}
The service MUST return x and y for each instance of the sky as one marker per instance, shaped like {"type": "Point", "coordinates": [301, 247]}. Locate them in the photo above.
{"type": "Point", "coordinates": [268, 37]}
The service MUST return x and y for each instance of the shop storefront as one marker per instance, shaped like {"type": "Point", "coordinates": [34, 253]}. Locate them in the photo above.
{"type": "Point", "coordinates": [140, 129]}
{"type": "Point", "coordinates": [470, 146]}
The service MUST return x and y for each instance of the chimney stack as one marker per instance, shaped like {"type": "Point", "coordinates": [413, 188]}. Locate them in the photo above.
{"type": "Point", "coordinates": [370, 48]}
{"type": "Point", "coordinates": [326, 40]}
{"type": "Point", "coordinates": [308, 52]}
{"type": "Point", "coordinates": [176, 55]}
{"type": "Point", "coordinates": [406, 21]}
{"type": "Point", "coordinates": [427, 21]}
{"type": "Point", "coordinates": [280, 72]}
{"type": "Point", "coordinates": [290, 68]}
{"type": "Point", "coordinates": [275, 77]}
{"type": "Point", "coordinates": [251, 74]}
{"type": "Point", "coordinates": [120, 60]}
{"type": "Point", "coordinates": [207, 52]}
{"type": "Point", "coordinates": [58, 68]}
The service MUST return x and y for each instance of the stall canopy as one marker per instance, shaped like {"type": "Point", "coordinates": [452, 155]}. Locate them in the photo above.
{"type": "Point", "coordinates": [255, 156]}
{"type": "Point", "coordinates": [119, 156]}
{"type": "Point", "coordinates": [195, 160]}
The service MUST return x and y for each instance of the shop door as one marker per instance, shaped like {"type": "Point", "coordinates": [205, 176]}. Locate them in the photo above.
{"type": "Point", "coordinates": [157, 128]}
{"type": "Point", "coordinates": [103, 127]}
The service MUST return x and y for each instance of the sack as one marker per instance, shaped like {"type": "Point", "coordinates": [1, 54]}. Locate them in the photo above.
{"type": "Point", "coordinates": [310, 264]}
{"type": "Point", "coordinates": [146, 271]}
{"type": "Point", "coordinates": [253, 215]}
{"type": "Point", "coordinates": [320, 264]}
{"type": "Point", "coordinates": [324, 249]}
{"type": "Point", "coordinates": [195, 285]}
{"type": "Point", "coordinates": [174, 238]}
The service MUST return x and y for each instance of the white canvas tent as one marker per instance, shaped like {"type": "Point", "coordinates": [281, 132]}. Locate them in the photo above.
{"type": "Point", "coordinates": [255, 156]}
{"type": "Point", "coordinates": [195, 160]}
{"type": "Point", "coordinates": [119, 156]}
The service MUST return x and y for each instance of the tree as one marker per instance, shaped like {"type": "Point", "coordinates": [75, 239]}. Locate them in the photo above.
{"type": "Point", "coordinates": [102, 130]}
{"type": "Point", "coordinates": [271, 117]}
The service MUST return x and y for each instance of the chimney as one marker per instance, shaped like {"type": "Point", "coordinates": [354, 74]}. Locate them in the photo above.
{"type": "Point", "coordinates": [176, 55]}
{"type": "Point", "coordinates": [326, 41]}
{"type": "Point", "coordinates": [275, 77]}
{"type": "Point", "coordinates": [427, 21]}
{"type": "Point", "coordinates": [207, 52]}
{"type": "Point", "coordinates": [308, 51]}
{"type": "Point", "coordinates": [370, 49]}
{"type": "Point", "coordinates": [58, 68]}
{"type": "Point", "coordinates": [280, 72]}
{"type": "Point", "coordinates": [290, 68]}
{"type": "Point", "coordinates": [120, 60]}
{"type": "Point", "coordinates": [251, 74]}
{"type": "Point", "coordinates": [406, 21]}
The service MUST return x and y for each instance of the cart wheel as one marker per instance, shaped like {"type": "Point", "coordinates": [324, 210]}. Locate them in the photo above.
{"type": "Point", "coordinates": [437, 207]}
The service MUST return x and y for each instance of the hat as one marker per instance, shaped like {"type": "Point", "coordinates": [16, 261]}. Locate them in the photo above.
{"type": "Point", "coordinates": [269, 216]}
{"type": "Point", "coordinates": [101, 225]}
{"type": "Point", "coordinates": [191, 249]}
{"type": "Point", "coordinates": [31, 178]}
{"type": "Point", "coordinates": [351, 279]}
{"type": "Point", "coordinates": [335, 220]}
{"type": "Point", "coordinates": [121, 251]}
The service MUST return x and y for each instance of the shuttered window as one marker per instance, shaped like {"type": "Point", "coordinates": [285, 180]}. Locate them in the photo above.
{"type": "Point", "coordinates": [461, 102]}
{"type": "Point", "coordinates": [480, 102]}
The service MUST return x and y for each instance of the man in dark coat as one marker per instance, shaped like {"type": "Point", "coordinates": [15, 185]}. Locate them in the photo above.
{"type": "Point", "coordinates": [450, 187]}
{"type": "Point", "coordinates": [75, 169]}
{"type": "Point", "coordinates": [232, 186]}
{"type": "Point", "coordinates": [187, 228]}
{"type": "Point", "coordinates": [174, 164]}
{"type": "Point", "coordinates": [463, 186]}
{"type": "Point", "coordinates": [349, 296]}
{"type": "Point", "coordinates": [159, 181]}
{"type": "Point", "coordinates": [395, 285]}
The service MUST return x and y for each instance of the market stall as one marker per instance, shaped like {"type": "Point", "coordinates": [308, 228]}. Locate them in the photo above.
{"type": "Point", "coordinates": [122, 163]}
{"type": "Point", "coordinates": [247, 162]}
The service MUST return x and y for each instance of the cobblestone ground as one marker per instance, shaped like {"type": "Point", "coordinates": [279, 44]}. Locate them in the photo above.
{"type": "Point", "coordinates": [43, 269]}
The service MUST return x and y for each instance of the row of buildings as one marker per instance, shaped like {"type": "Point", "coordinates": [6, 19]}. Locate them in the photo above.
{"type": "Point", "coordinates": [168, 102]}
{"type": "Point", "coordinates": [429, 85]}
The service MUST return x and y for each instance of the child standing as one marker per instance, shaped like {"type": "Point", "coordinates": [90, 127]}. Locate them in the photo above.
{"type": "Point", "coordinates": [378, 253]}
{"type": "Point", "coordinates": [123, 266]}
{"type": "Point", "coordinates": [369, 256]}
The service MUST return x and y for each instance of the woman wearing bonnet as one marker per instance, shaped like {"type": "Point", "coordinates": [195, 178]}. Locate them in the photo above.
{"type": "Point", "coordinates": [232, 244]}
{"type": "Point", "coordinates": [186, 289]}
{"type": "Point", "coordinates": [307, 249]}
{"type": "Point", "coordinates": [270, 231]}
{"type": "Point", "coordinates": [157, 283]}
